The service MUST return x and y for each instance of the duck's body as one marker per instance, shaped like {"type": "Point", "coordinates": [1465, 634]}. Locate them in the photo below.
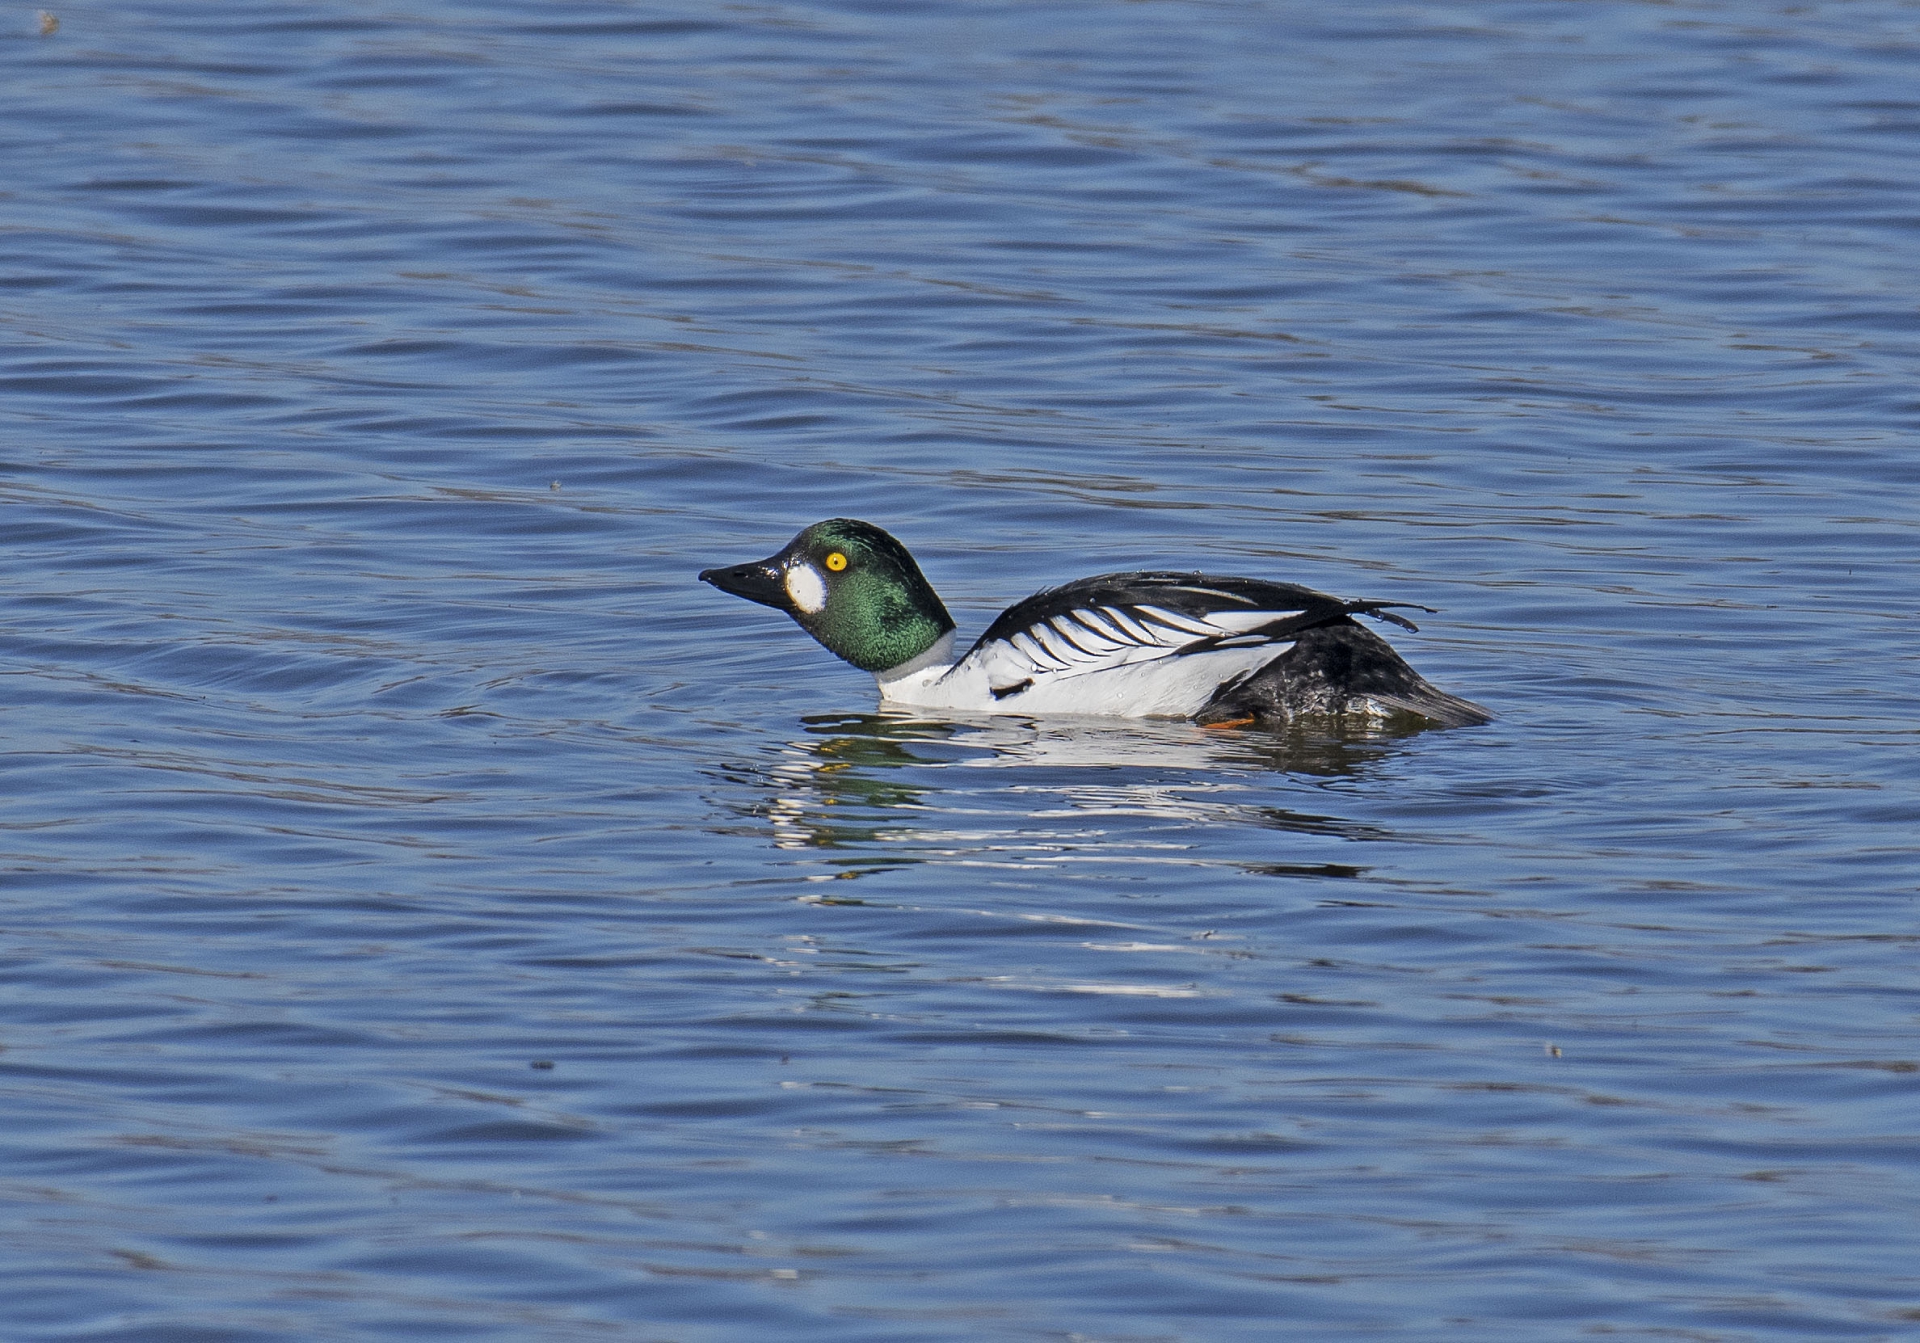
{"type": "Point", "coordinates": [1134, 645]}
{"type": "Point", "coordinates": [1131, 645]}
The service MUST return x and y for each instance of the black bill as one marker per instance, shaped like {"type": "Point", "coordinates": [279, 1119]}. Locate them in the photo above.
{"type": "Point", "coordinates": [759, 581]}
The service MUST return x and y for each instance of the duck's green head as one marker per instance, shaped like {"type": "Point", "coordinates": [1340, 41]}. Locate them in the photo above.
{"type": "Point", "coordinates": [852, 587]}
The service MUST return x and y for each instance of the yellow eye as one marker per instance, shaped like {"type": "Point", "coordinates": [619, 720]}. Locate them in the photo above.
{"type": "Point", "coordinates": [836, 561]}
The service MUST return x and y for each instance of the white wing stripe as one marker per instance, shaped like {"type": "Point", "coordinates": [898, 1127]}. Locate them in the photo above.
{"type": "Point", "coordinates": [1239, 622]}
{"type": "Point", "coordinates": [1126, 620]}
{"type": "Point", "coordinates": [1055, 633]}
{"type": "Point", "coordinates": [1101, 622]}
{"type": "Point", "coordinates": [1082, 635]}
{"type": "Point", "coordinates": [1057, 648]}
{"type": "Point", "coordinates": [1093, 641]}
{"type": "Point", "coordinates": [1173, 620]}
{"type": "Point", "coordinates": [1061, 650]}
{"type": "Point", "coordinates": [1029, 648]}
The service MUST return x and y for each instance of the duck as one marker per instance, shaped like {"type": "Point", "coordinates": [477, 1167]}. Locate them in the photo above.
{"type": "Point", "coordinates": [1220, 651]}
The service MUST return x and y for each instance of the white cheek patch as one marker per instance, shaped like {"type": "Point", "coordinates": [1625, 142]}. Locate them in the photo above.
{"type": "Point", "coordinates": [807, 589]}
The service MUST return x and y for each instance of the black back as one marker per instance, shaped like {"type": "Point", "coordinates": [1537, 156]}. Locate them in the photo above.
{"type": "Point", "coordinates": [1187, 594]}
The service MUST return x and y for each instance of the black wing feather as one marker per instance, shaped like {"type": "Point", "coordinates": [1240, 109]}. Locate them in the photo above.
{"type": "Point", "coordinates": [1189, 594]}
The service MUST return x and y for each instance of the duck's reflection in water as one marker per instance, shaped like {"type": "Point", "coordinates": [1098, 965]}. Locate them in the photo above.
{"type": "Point", "coordinates": [881, 790]}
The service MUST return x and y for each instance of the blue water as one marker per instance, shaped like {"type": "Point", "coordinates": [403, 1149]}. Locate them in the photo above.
{"type": "Point", "coordinates": [426, 912]}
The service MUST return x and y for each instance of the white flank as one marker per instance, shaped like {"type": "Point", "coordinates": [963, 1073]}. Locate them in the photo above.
{"type": "Point", "coordinates": [1125, 662]}
{"type": "Point", "coordinates": [807, 589]}
{"type": "Point", "coordinates": [1149, 687]}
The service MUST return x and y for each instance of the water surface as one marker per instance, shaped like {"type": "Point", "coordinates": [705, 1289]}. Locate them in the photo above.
{"type": "Point", "coordinates": [425, 911]}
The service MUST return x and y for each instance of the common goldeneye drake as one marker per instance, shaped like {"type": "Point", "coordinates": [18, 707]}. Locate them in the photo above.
{"type": "Point", "coordinates": [1221, 651]}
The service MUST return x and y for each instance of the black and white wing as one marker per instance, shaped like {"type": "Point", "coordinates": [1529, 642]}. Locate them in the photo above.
{"type": "Point", "coordinates": [1116, 621]}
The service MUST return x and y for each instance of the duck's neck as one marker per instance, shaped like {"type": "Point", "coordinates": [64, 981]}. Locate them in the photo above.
{"type": "Point", "coordinates": [929, 666]}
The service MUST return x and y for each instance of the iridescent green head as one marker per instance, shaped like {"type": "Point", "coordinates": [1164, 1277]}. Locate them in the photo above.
{"type": "Point", "coordinates": [852, 587]}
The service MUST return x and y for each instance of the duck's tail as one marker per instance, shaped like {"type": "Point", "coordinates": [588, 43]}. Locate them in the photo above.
{"type": "Point", "coordinates": [1337, 669]}
{"type": "Point", "coordinates": [1379, 611]}
{"type": "Point", "coordinates": [1435, 705]}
